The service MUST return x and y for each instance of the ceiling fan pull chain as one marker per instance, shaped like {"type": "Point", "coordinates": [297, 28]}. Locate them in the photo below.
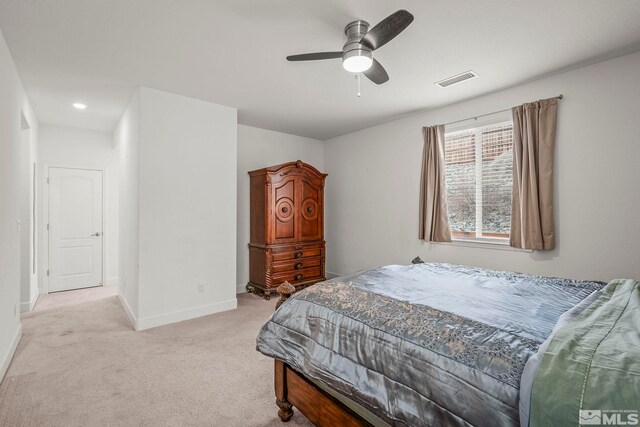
{"type": "Point", "coordinates": [358, 80]}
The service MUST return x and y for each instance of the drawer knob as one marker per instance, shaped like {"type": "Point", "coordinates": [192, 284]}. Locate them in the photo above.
{"type": "Point", "coordinates": [297, 254]}
{"type": "Point", "coordinates": [298, 277]}
{"type": "Point", "coordinates": [298, 266]}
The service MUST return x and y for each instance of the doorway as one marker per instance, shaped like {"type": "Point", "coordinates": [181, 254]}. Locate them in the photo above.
{"type": "Point", "coordinates": [75, 228]}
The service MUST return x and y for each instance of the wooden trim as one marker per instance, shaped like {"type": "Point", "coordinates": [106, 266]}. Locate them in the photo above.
{"type": "Point", "coordinates": [322, 409]}
{"type": "Point", "coordinates": [298, 164]}
{"type": "Point", "coordinates": [501, 235]}
{"type": "Point", "coordinates": [277, 246]}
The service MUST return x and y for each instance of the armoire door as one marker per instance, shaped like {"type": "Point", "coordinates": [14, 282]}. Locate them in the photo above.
{"type": "Point", "coordinates": [310, 225]}
{"type": "Point", "coordinates": [284, 220]}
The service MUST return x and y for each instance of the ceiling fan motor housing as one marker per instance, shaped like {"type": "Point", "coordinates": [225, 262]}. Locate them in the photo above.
{"type": "Point", "coordinates": [353, 51]}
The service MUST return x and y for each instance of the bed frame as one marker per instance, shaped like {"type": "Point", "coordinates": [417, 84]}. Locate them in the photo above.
{"type": "Point", "coordinates": [294, 389]}
{"type": "Point", "coordinates": [322, 409]}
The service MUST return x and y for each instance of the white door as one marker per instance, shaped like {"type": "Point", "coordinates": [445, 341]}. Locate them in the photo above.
{"type": "Point", "coordinates": [75, 228]}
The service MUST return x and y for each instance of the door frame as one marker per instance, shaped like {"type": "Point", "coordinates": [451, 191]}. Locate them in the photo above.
{"type": "Point", "coordinates": [45, 217]}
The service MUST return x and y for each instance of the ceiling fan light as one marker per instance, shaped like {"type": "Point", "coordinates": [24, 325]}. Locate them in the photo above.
{"type": "Point", "coordinates": [357, 61]}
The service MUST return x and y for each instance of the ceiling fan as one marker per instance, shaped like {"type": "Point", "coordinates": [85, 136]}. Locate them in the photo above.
{"type": "Point", "coordinates": [357, 52]}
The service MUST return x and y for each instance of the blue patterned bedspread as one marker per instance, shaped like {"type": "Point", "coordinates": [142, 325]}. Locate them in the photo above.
{"type": "Point", "coordinates": [426, 344]}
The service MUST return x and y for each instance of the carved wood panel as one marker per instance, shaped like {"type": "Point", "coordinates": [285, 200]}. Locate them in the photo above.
{"type": "Point", "coordinates": [284, 217]}
{"type": "Point", "coordinates": [310, 227]}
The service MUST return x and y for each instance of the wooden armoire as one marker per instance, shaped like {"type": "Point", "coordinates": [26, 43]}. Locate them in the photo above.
{"type": "Point", "coordinates": [287, 227]}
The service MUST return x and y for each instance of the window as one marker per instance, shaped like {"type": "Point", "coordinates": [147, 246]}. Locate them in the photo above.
{"type": "Point", "coordinates": [479, 178]}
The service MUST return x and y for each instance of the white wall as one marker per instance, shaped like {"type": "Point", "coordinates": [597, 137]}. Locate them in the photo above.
{"type": "Point", "coordinates": [13, 101]}
{"type": "Point", "coordinates": [372, 196]}
{"type": "Point", "coordinates": [187, 222]}
{"type": "Point", "coordinates": [29, 291]}
{"type": "Point", "coordinates": [186, 206]}
{"type": "Point", "coordinates": [64, 146]}
{"type": "Point", "coordinates": [126, 140]}
{"type": "Point", "coordinates": [259, 148]}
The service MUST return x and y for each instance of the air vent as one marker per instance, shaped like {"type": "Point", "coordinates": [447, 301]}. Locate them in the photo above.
{"type": "Point", "coordinates": [457, 79]}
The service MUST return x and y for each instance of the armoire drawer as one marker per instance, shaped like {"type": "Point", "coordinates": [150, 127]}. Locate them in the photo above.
{"type": "Point", "coordinates": [296, 276]}
{"type": "Point", "coordinates": [296, 264]}
{"type": "Point", "coordinates": [293, 254]}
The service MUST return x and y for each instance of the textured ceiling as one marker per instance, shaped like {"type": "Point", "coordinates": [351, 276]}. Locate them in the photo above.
{"type": "Point", "coordinates": [232, 52]}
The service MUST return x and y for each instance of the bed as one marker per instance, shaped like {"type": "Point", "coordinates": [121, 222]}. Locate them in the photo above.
{"type": "Point", "coordinates": [419, 345]}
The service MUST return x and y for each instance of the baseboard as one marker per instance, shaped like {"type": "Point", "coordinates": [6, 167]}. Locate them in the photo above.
{"type": "Point", "coordinates": [127, 310]}
{"type": "Point", "coordinates": [6, 360]}
{"type": "Point", "coordinates": [112, 281]}
{"type": "Point", "coordinates": [190, 313]}
{"type": "Point", "coordinates": [331, 274]}
{"type": "Point", "coordinates": [27, 306]}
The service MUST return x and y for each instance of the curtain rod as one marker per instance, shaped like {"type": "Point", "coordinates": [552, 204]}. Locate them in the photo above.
{"type": "Point", "coordinates": [487, 114]}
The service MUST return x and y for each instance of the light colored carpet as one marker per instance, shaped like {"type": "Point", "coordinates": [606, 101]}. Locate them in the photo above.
{"type": "Point", "coordinates": [80, 363]}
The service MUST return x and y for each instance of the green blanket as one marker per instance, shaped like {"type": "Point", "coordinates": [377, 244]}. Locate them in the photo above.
{"type": "Point", "coordinates": [590, 373]}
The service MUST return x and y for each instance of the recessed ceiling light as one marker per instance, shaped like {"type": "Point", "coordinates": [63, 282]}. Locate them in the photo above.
{"type": "Point", "coordinates": [79, 105]}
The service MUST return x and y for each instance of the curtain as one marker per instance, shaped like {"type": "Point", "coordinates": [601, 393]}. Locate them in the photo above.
{"type": "Point", "coordinates": [534, 138]}
{"type": "Point", "coordinates": [434, 216]}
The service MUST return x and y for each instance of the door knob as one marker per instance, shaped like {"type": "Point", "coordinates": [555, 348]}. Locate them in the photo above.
{"type": "Point", "coordinates": [96, 234]}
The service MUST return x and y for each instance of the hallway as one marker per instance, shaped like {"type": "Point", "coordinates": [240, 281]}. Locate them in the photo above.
{"type": "Point", "coordinates": [80, 363]}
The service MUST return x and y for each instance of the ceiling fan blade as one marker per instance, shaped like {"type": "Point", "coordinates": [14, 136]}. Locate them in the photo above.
{"type": "Point", "coordinates": [315, 56]}
{"type": "Point", "coordinates": [387, 29]}
{"type": "Point", "coordinates": [377, 73]}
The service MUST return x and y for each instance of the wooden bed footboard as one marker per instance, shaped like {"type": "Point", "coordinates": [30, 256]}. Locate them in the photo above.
{"type": "Point", "coordinates": [322, 409]}
{"type": "Point", "coordinates": [294, 389]}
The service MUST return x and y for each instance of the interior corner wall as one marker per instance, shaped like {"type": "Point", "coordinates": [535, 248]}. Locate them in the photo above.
{"type": "Point", "coordinates": [259, 148]}
{"type": "Point", "coordinates": [65, 146]}
{"type": "Point", "coordinates": [13, 102]}
{"type": "Point", "coordinates": [372, 193]}
{"type": "Point", "coordinates": [126, 141]}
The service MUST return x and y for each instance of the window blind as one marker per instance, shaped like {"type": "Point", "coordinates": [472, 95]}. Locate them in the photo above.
{"type": "Point", "coordinates": [479, 168]}
{"type": "Point", "coordinates": [460, 161]}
